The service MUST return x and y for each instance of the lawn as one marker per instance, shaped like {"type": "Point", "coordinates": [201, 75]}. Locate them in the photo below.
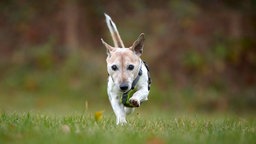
{"type": "Point", "coordinates": [154, 128]}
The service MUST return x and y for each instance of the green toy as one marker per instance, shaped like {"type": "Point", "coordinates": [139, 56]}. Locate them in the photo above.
{"type": "Point", "coordinates": [126, 97]}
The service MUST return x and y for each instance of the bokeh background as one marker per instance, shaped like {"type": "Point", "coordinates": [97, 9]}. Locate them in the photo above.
{"type": "Point", "coordinates": [201, 53]}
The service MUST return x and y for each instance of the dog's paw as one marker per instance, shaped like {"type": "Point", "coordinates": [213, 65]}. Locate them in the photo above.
{"type": "Point", "coordinates": [134, 102]}
{"type": "Point", "coordinates": [121, 122]}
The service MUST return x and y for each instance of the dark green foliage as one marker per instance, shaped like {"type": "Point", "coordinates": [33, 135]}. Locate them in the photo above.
{"type": "Point", "coordinates": [201, 53]}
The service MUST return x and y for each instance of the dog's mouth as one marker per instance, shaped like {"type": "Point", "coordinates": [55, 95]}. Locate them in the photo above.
{"type": "Point", "coordinates": [124, 91]}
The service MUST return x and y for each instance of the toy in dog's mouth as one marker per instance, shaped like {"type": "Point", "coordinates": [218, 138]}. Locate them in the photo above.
{"type": "Point", "coordinates": [125, 99]}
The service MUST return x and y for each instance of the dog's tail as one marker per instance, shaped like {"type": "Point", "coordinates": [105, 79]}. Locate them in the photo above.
{"type": "Point", "coordinates": [114, 32]}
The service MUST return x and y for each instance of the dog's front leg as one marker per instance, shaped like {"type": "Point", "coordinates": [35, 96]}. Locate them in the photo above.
{"type": "Point", "coordinates": [118, 109]}
{"type": "Point", "coordinates": [139, 96]}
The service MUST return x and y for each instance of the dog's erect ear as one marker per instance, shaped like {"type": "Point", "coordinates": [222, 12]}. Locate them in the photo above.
{"type": "Point", "coordinates": [138, 45]}
{"type": "Point", "coordinates": [109, 48]}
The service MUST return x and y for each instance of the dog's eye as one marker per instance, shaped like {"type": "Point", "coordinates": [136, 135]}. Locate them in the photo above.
{"type": "Point", "coordinates": [114, 67]}
{"type": "Point", "coordinates": [130, 67]}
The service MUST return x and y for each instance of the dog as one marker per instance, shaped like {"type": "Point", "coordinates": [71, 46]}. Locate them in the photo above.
{"type": "Point", "coordinates": [129, 79]}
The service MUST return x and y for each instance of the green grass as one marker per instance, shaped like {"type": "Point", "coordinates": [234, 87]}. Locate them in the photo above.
{"type": "Point", "coordinates": [142, 128]}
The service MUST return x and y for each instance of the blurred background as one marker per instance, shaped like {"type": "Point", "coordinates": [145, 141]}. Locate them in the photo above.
{"type": "Point", "coordinates": [201, 53]}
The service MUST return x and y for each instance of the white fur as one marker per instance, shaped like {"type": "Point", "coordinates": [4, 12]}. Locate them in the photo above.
{"type": "Point", "coordinates": [115, 95]}
{"type": "Point", "coordinates": [109, 21]}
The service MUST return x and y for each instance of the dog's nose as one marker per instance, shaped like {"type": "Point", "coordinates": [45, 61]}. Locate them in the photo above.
{"type": "Point", "coordinates": [124, 87]}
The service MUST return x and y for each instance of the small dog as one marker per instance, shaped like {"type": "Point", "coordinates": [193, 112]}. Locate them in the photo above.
{"type": "Point", "coordinates": [129, 80]}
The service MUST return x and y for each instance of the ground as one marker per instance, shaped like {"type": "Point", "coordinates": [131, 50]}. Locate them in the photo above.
{"type": "Point", "coordinates": [154, 128]}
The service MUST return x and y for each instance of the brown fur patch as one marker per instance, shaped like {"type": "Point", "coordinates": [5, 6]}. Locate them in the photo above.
{"type": "Point", "coordinates": [122, 57]}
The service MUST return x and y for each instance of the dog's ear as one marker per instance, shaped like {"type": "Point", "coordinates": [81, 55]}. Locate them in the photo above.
{"type": "Point", "coordinates": [138, 45]}
{"type": "Point", "coordinates": [108, 47]}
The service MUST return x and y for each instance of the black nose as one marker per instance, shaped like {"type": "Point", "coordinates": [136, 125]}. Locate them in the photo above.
{"type": "Point", "coordinates": [123, 87]}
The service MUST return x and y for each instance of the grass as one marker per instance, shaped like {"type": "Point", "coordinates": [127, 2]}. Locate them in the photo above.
{"type": "Point", "coordinates": [142, 128]}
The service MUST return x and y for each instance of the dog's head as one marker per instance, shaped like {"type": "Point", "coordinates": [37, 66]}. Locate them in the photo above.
{"type": "Point", "coordinates": [123, 64]}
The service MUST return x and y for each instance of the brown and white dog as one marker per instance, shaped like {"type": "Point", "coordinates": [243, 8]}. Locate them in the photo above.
{"type": "Point", "coordinates": [127, 72]}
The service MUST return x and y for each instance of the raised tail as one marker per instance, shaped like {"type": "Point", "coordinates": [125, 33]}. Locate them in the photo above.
{"type": "Point", "coordinates": [114, 32]}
